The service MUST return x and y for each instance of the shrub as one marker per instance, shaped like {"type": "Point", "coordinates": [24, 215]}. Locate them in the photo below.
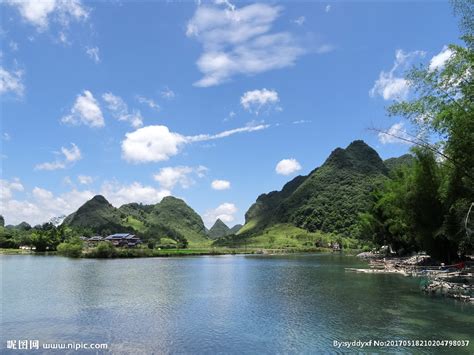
{"type": "Point", "coordinates": [72, 249]}
{"type": "Point", "coordinates": [104, 250]}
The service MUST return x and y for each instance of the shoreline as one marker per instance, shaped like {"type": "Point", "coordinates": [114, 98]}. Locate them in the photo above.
{"type": "Point", "coordinates": [150, 253]}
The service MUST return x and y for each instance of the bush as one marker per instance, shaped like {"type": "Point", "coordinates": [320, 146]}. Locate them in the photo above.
{"type": "Point", "coordinates": [104, 250]}
{"type": "Point", "coordinates": [71, 249]}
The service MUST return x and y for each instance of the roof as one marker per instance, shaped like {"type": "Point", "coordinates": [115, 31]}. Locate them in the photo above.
{"type": "Point", "coordinates": [119, 236]}
{"type": "Point", "coordinates": [97, 237]}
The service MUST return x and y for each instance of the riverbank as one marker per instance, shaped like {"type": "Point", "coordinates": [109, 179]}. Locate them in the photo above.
{"type": "Point", "coordinates": [453, 281]}
{"type": "Point", "coordinates": [125, 253]}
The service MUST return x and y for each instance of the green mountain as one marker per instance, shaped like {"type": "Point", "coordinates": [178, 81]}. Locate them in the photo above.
{"type": "Point", "coordinates": [327, 200]}
{"type": "Point", "coordinates": [218, 230]}
{"type": "Point", "coordinates": [235, 229]}
{"type": "Point", "coordinates": [172, 218]}
{"type": "Point", "coordinates": [393, 164]}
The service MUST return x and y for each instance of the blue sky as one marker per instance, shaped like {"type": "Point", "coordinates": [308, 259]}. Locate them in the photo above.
{"type": "Point", "coordinates": [215, 102]}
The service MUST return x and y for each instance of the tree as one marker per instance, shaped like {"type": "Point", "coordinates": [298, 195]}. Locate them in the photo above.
{"type": "Point", "coordinates": [443, 106]}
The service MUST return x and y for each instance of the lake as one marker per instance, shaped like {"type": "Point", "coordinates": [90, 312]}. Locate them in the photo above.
{"type": "Point", "coordinates": [227, 304]}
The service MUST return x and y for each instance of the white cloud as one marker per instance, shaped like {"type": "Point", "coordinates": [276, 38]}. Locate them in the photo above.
{"type": "Point", "coordinates": [6, 137]}
{"type": "Point", "coordinates": [70, 156]}
{"type": "Point", "coordinates": [86, 110]}
{"type": "Point", "coordinates": [168, 94]}
{"type": "Point", "coordinates": [287, 166]}
{"type": "Point", "coordinates": [151, 144]}
{"type": "Point", "coordinates": [327, 8]}
{"type": "Point", "coordinates": [391, 85]}
{"type": "Point", "coordinates": [256, 100]}
{"type": "Point", "coordinates": [439, 61]}
{"type": "Point", "coordinates": [300, 20]}
{"type": "Point", "coordinates": [93, 53]}
{"type": "Point", "coordinates": [119, 110]}
{"type": "Point", "coordinates": [220, 185]}
{"type": "Point", "coordinates": [158, 143]}
{"type": "Point", "coordinates": [149, 102]}
{"type": "Point", "coordinates": [168, 177]}
{"type": "Point", "coordinates": [118, 194]}
{"type": "Point", "coordinates": [11, 82]}
{"type": "Point", "coordinates": [85, 179]}
{"type": "Point", "coordinates": [55, 165]}
{"type": "Point", "coordinates": [239, 41]}
{"type": "Point", "coordinates": [42, 205]}
{"type": "Point", "coordinates": [40, 13]}
{"type": "Point", "coordinates": [225, 212]}
{"type": "Point", "coordinates": [7, 188]}
{"type": "Point", "coordinates": [396, 130]}
{"type": "Point", "coordinates": [301, 121]}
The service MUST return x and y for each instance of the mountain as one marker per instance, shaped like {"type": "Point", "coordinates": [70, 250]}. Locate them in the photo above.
{"type": "Point", "coordinates": [97, 215]}
{"type": "Point", "coordinates": [235, 229]}
{"type": "Point", "coordinates": [329, 199]}
{"type": "Point", "coordinates": [393, 164]}
{"type": "Point", "coordinates": [218, 230]}
{"type": "Point", "coordinates": [171, 218]}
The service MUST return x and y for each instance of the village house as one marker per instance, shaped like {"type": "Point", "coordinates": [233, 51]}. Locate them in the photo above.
{"type": "Point", "coordinates": [123, 240]}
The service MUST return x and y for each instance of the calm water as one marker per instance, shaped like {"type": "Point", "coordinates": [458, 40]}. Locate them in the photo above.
{"type": "Point", "coordinates": [228, 304]}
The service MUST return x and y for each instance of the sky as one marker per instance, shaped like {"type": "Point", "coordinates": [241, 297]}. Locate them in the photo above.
{"type": "Point", "coordinates": [214, 102]}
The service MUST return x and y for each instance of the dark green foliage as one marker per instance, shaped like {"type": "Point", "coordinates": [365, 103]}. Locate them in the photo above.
{"type": "Point", "coordinates": [72, 248]}
{"type": "Point", "coordinates": [329, 199]}
{"type": "Point", "coordinates": [23, 226]}
{"type": "Point", "coordinates": [98, 215]}
{"type": "Point", "coordinates": [2, 221]}
{"type": "Point", "coordinates": [103, 250]}
{"type": "Point", "coordinates": [394, 164]}
{"type": "Point", "coordinates": [219, 229]}
{"type": "Point", "coordinates": [429, 201]}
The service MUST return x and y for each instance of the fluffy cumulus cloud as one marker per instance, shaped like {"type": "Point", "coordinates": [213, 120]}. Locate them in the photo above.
{"type": "Point", "coordinates": [220, 185]}
{"type": "Point", "coordinates": [40, 13]}
{"type": "Point", "coordinates": [11, 82]}
{"type": "Point", "coordinates": [257, 100]}
{"type": "Point", "coordinates": [391, 85]}
{"type": "Point", "coordinates": [118, 194]}
{"type": "Point", "coordinates": [169, 177]}
{"type": "Point", "coordinates": [119, 110]}
{"type": "Point", "coordinates": [7, 188]}
{"type": "Point", "coordinates": [68, 157]}
{"type": "Point", "coordinates": [41, 205]}
{"type": "Point", "coordinates": [225, 212]}
{"type": "Point", "coordinates": [439, 60]}
{"type": "Point", "coordinates": [86, 110]}
{"type": "Point", "coordinates": [397, 133]}
{"type": "Point", "coordinates": [287, 166]}
{"type": "Point", "coordinates": [151, 144]}
{"type": "Point", "coordinates": [240, 41]}
{"type": "Point", "coordinates": [158, 143]}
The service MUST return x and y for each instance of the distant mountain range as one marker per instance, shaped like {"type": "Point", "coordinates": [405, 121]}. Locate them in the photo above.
{"type": "Point", "coordinates": [220, 229]}
{"type": "Point", "coordinates": [329, 199]}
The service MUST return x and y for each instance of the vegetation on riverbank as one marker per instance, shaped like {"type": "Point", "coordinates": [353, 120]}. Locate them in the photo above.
{"type": "Point", "coordinates": [425, 206]}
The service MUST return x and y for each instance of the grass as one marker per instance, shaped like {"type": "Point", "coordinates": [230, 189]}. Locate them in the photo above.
{"type": "Point", "coordinates": [134, 223]}
{"type": "Point", "coordinates": [5, 251]}
{"type": "Point", "coordinates": [287, 236]}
